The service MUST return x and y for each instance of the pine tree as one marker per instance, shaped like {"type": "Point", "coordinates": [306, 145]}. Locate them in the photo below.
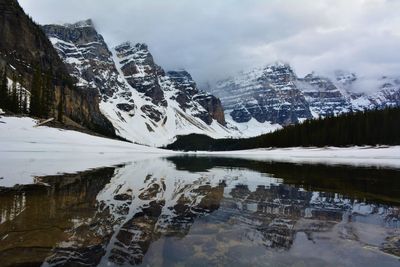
{"type": "Point", "coordinates": [14, 107]}
{"type": "Point", "coordinates": [60, 108]}
{"type": "Point", "coordinates": [36, 94]}
{"type": "Point", "coordinates": [47, 95]}
{"type": "Point", "coordinates": [25, 103]}
{"type": "Point", "coordinates": [20, 92]}
{"type": "Point", "coordinates": [4, 90]}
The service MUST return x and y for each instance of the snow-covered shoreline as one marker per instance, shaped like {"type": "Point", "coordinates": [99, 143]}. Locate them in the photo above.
{"type": "Point", "coordinates": [380, 156]}
{"type": "Point", "coordinates": [27, 151]}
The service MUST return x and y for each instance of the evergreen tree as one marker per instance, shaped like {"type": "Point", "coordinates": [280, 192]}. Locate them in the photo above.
{"type": "Point", "coordinates": [60, 108]}
{"type": "Point", "coordinates": [36, 94]}
{"type": "Point", "coordinates": [14, 107]}
{"type": "Point", "coordinates": [20, 92]}
{"type": "Point", "coordinates": [4, 98]}
{"type": "Point", "coordinates": [47, 95]}
{"type": "Point", "coordinates": [374, 127]}
{"type": "Point", "coordinates": [25, 103]}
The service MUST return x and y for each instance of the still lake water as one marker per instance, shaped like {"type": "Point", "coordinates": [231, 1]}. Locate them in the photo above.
{"type": "Point", "coordinates": [188, 211]}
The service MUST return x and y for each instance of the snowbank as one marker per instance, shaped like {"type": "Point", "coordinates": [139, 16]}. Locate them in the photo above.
{"type": "Point", "coordinates": [20, 135]}
{"type": "Point", "coordinates": [27, 152]}
{"type": "Point", "coordinates": [383, 156]}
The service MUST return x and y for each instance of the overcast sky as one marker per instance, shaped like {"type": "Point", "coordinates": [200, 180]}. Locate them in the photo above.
{"type": "Point", "coordinates": [216, 38]}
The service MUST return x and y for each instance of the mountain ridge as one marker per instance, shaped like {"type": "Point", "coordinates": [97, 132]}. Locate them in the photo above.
{"type": "Point", "coordinates": [274, 93]}
{"type": "Point", "coordinates": [146, 104]}
{"type": "Point", "coordinates": [25, 51]}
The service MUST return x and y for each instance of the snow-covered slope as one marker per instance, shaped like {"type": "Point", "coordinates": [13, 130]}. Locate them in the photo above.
{"type": "Point", "coordinates": [274, 94]}
{"type": "Point", "coordinates": [145, 104]}
{"type": "Point", "coordinates": [27, 151]}
{"type": "Point", "coordinates": [50, 151]}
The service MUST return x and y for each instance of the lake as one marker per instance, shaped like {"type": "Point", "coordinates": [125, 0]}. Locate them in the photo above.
{"type": "Point", "coordinates": [204, 211]}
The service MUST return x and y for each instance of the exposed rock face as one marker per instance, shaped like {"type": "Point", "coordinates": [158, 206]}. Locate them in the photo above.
{"type": "Point", "coordinates": [187, 92]}
{"type": "Point", "coordinates": [24, 47]}
{"type": "Point", "coordinates": [275, 94]}
{"type": "Point", "coordinates": [213, 106]}
{"type": "Point", "coordinates": [82, 107]}
{"type": "Point", "coordinates": [87, 57]}
{"type": "Point", "coordinates": [144, 103]}
{"type": "Point", "coordinates": [323, 96]}
{"type": "Point", "coordinates": [265, 94]}
{"type": "Point", "coordinates": [141, 72]}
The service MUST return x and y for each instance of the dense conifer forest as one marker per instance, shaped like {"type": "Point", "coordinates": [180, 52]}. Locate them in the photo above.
{"type": "Point", "coordinates": [374, 127]}
{"type": "Point", "coordinates": [37, 102]}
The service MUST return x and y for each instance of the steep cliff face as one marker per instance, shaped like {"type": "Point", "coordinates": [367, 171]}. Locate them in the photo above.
{"type": "Point", "coordinates": [187, 92]}
{"type": "Point", "coordinates": [275, 94]}
{"type": "Point", "coordinates": [145, 104]}
{"type": "Point", "coordinates": [141, 72]}
{"type": "Point", "coordinates": [265, 94]}
{"type": "Point", "coordinates": [82, 49]}
{"type": "Point", "coordinates": [323, 96]}
{"type": "Point", "coordinates": [24, 48]}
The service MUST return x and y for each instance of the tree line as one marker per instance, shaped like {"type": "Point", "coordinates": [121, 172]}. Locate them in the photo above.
{"type": "Point", "coordinates": [372, 127]}
{"type": "Point", "coordinates": [17, 100]}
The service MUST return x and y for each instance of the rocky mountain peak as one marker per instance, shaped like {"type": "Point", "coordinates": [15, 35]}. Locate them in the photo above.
{"type": "Point", "coordinates": [274, 93]}
{"type": "Point", "coordinates": [145, 104]}
{"type": "Point", "coordinates": [82, 32]}
{"type": "Point", "coordinates": [279, 66]}
{"type": "Point", "coordinates": [136, 59]}
{"type": "Point", "coordinates": [180, 74]}
{"type": "Point", "coordinates": [128, 45]}
{"type": "Point", "coordinates": [279, 73]}
{"type": "Point", "coordinates": [140, 71]}
{"type": "Point", "coordinates": [187, 94]}
{"type": "Point", "coordinates": [267, 94]}
{"type": "Point", "coordinates": [344, 77]}
{"type": "Point", "coordinates": [183, 80]}
{"type": "Point", "coordinates": [87, 56]}
{"type": "Point", "coordinates": [319, 82]}
{"type": "Point", "coordinates": [88, 23]}
{"type": "Point", "coordinates": [24, 49]}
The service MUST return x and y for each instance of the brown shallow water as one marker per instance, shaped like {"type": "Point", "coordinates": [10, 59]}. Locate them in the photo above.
{"type": "Point", "coordinates": [188, 211]}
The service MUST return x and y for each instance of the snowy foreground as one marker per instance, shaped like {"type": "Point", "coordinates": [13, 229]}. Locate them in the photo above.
{"type": "Point", "coordinates": [27, 151]}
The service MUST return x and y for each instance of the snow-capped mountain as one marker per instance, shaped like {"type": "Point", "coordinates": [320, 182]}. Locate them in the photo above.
{"type": "Point", "coordinates": [150, 106]}
{"type": "Point", "coordinates": [145, 104]}
{"type": "Point", "coordinates": [274, 94]}
{"type": "Point", "coordinates": [25, 54]}
{"type": "Point", "coordinates": [266, 94]}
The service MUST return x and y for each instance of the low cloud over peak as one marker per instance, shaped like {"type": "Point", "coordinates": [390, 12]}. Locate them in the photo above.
{"type": "Point", "coordinates": [215, 39]}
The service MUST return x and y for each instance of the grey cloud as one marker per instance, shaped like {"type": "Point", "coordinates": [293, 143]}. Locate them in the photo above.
{"type": "Point", "coordinates": [214, 39]}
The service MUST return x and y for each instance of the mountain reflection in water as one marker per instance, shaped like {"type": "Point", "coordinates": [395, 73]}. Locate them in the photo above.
{"type": "Point", "coordinates": [193, 211]}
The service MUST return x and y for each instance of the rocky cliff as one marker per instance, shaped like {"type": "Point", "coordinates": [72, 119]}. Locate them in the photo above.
{"type": "Point", "coordinates": [146, 104]}
{"type": "Point", "coordinates": [274, 94]}
{"type": "Point", "coordinates": [24, 48]}
{"type": "Point", "coordinates": [265, 94]}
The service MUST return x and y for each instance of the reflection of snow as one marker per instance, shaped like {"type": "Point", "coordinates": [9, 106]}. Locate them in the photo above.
{"type": "Point", "coordinates": [26, 152]}
{"type": "Point", "coordinates": [363, 209]}
{"type": "Point", "coordinates": [18, 205]}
